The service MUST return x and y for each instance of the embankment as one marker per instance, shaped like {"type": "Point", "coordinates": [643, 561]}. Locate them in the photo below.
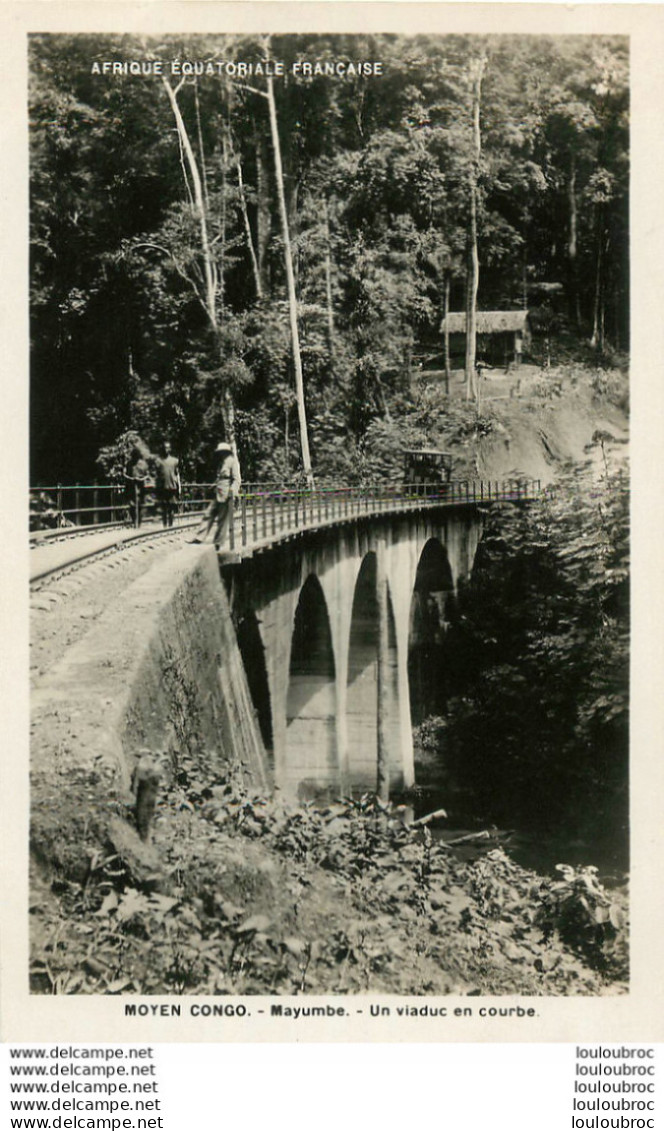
{"type": "Point", "coordinates": [159, 673]}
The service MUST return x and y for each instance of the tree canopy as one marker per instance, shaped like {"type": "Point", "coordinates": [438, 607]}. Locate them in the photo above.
{"type": "Point", "coordinates": [159, 298]}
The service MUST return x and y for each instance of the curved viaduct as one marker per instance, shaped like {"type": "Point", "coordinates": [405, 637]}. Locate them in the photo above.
{"type": "Point", "coordinates": [325, 623]}
{"type": "Point", "coordinates": [298, 658]}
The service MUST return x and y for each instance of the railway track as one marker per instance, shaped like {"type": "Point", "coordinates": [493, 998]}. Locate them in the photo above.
{"type": "Point", "coordinates": [74, 551]}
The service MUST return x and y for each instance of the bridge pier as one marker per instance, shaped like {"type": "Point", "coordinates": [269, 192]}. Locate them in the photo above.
{"type": "Point", "coordinates": [382, 677]}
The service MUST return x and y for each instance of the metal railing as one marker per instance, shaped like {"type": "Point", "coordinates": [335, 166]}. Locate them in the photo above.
{"type": "Point", "coordinates": [264, 510]}
{"type": "Point", "coordinates": [263, 513]}
{"type": "Point", "coordinates": [104, 504]}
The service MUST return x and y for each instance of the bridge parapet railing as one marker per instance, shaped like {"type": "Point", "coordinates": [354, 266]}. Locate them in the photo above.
{"type": "Point", "coordinates": [86, 505]}
{"type": "Point", "coordinates": [265, 510]}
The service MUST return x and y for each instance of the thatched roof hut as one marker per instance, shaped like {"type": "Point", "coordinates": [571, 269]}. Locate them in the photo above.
{"type": "Point", "coordinates": [489, 322]}
{"type": "Point", "coordinates": [506, 331]}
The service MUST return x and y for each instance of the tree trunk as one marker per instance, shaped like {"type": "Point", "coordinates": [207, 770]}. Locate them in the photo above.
{"type": "Point", "coordinates": [328, 285]}
{"type": "Point", "coordinates": [572, 249]}
{"type": "Point", "coordinates": [472, 282]}
{"type": "Point", "coordinates": [290, 281]}
{"type": "Point", "coordinates": [446, 311]}
{"type": "Point", "coordinates": [201, 149]}
{"type": "Point", "coordinates": [473, 268]}
{"type": "Point", "coordinates": [247, 231]}
{"type": "Point", "coordinates": [224, 212]}
{"type": "Point", "coordinates": [209, 267]}
{"type": "Point", "coordinates": [330, 309]}
{"type": "Point", "coordinates": [263, 217]}
{"type": "Point", "coordinates": [597, 339]}
{"type": "Point", "coordinates": [211, 279]}
{"type": "Point", "coordinates": [286, 435]}
{"type": "Point", "coordinates": [292, 194]}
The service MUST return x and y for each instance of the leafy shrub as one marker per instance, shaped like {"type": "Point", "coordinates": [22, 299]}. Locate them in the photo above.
{"type": "Point", "coordinates": [263, 897]}
{"type": "Point", "coordinates": [586, 917]}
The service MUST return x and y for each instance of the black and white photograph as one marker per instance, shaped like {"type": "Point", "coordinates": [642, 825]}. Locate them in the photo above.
{"type": "Point", "coordinates": [333, 335]}
{"type": "Point", "coordinates": [329, 515]}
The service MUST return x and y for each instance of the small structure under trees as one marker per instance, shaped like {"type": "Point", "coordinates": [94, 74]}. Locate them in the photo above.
{"type": "Point", "coordinates": [502, 333]}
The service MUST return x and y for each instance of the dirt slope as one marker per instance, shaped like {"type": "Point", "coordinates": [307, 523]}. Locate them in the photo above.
{"type": "Point", "coordinates": [532, 422]}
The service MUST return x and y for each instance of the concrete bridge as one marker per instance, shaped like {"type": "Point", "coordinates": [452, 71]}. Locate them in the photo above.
{"type": "Point", "coordinates": [348, 593]}
{"type": "Point", "coordinates": [298, 654]}
{"type": "Point", "coordinates": [326, 623]}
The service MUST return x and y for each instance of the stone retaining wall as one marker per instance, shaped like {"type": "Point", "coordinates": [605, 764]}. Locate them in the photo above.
{"type": "Point", "coordinates": [160, 673]}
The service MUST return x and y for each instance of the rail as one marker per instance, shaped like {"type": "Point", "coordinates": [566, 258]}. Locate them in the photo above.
{"type": "Point", "coordinates": [263, 510]}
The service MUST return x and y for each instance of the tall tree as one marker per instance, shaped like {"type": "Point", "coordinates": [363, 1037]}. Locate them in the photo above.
{"type": "Point", "coordinates": [213, 280]}
{"type": "Point", "coordinates": [478, 67]}
{"type": "Point", "coordinates": [290, 282]}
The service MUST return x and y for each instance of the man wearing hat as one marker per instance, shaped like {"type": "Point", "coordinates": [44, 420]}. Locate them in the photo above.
{"type": "Point", "coordinates": [227, 484]}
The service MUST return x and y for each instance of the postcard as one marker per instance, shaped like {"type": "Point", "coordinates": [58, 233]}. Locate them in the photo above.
{"type": "Point", "coordinates": [332, 655]}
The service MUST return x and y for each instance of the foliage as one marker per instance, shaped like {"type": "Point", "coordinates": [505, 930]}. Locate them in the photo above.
{"type": "Point", "coordinates": [114, 458]}
{"type": "Point", "coordinates": [126, 333]}
{"type": "Point", "coordinates": [541, 659]}
{"type": "Point", "coordinates": [586, 916]}
{"type": "Point", "coordinates": [260, 897]}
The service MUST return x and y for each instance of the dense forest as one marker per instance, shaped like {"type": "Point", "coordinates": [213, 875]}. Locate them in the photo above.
{"type": "Point", "coordinates": [268, 259]}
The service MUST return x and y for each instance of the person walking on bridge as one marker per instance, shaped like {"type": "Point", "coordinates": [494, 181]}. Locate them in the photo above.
{"type": "Point", "coordinates": [168, 484]}
{"type": "Point", "coordinates": [226, 488]}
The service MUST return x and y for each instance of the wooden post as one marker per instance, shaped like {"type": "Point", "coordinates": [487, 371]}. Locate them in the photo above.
{"type": "Point", "coordinates": [382, 676]}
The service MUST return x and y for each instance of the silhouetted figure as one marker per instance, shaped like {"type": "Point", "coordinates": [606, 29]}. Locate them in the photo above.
{"type": "Point", "coordinates": [168, 484]}
{"type": "Point", "coordinates": [137, 474]}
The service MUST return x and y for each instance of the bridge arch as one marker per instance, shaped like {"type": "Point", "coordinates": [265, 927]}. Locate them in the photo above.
{"type": "Point", "coordinates": [362, 683]}
{"type": "Point", "coordinates": [252, 651]}
{"type": "Point", "coordinates": [430, 607]}
{"type": "Point", "coordinates": [311, 762]}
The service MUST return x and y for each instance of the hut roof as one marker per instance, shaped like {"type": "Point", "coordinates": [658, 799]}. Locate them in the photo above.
{"type": "Point", "coordinates": [488, 321]}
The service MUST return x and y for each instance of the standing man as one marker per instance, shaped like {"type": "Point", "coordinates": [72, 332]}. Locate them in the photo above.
{"type": "Point", "coordinates": [168, 484]}
{"type": "Point", "coordinates": [137, 475]}
{"type": "Point", "coordinates": [226, 487]}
